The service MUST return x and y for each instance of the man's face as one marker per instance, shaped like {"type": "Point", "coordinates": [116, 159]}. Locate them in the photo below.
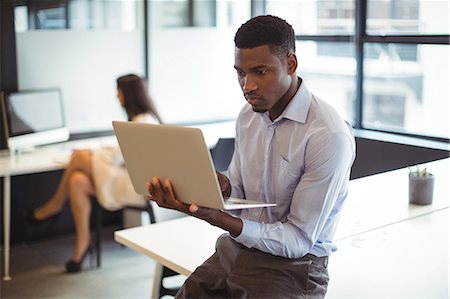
{"type": "Point", "coordinates": [264, 78]}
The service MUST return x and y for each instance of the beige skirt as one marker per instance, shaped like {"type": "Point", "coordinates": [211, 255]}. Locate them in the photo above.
{"type": "Point", "coordinates": [112, 182]}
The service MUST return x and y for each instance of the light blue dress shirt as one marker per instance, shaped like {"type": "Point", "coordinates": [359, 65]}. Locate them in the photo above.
{"type": "Point", "coordinates": [301, 161]}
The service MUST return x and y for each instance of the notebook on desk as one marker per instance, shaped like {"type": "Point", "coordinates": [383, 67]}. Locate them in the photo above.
{"type": "Point", "coordinates": [180, 154]}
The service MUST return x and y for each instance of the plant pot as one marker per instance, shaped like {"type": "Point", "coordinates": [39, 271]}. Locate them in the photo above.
{"type": "Point", "coordinates": [421, 189]}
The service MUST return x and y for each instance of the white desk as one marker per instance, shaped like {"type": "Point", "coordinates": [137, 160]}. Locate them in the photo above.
{"type": "Point", "coordinates": [183, 244]}
{"type": "Point", "coordinates": [382, 199]}
{"type": "Point", "coordinates": [409, 259]}
{"type": "Point", "coordinates": [42, 159]}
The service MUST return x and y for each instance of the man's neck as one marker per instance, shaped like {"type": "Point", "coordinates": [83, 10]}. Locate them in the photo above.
{"type": "Point", "coordinates": [286, 98]}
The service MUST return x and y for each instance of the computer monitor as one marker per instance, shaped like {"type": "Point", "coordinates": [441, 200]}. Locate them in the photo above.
{"type": "Point", "coordinates": [33, 118]}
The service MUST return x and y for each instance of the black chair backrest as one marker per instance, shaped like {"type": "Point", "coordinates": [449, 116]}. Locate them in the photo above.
{"type": "Point", "coordinates": [222, 153]}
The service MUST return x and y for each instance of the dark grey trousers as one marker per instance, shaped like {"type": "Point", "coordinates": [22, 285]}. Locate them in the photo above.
{"type": "Point", "coordinates": [235, 271]}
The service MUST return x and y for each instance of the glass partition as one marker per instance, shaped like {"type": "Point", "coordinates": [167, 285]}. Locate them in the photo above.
{"type": "Point", "coordinates": [81, 47]}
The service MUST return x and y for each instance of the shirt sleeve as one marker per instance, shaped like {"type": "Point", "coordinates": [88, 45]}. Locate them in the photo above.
{"type": "Point", "coordinates": [328, 158]}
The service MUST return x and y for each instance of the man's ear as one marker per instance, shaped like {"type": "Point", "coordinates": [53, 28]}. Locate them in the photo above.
{"type": "Point", "coordinates": [292, 63]}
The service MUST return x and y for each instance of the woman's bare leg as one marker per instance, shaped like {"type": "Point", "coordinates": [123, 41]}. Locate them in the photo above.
{"type": "Point", "coordinates": [80, 189]}
{"type": "Point", "coordinates": [80, 161]}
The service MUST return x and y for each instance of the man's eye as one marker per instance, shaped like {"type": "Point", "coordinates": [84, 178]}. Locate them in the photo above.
{"type": "Point", "coordinates": [240, 73]}
{"type": "Point", "coordinates": [261, 72]}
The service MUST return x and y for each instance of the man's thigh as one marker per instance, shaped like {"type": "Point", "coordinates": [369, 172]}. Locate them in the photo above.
{"type": "Point", "coordinates": [235, 271]}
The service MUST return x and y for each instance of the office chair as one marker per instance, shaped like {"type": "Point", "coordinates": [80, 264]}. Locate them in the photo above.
{"type": "Point", "coordinates": [222, 153]}
{"type": "Point", "coordinates": [98, 223]}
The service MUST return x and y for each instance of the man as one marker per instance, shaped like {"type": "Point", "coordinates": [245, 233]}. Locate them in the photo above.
{"type": "Point", "coordinates": [292, 149]}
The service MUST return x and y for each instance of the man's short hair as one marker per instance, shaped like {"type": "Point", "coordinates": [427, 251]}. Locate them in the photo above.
{"type": "Point", "coordinates": [266, 30]}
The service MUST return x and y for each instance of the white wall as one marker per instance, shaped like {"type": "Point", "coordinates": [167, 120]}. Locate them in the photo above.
{"type": "Point", "coordinates": [85, 65]}
{"type": "Point", "coordinates": [192, 76]}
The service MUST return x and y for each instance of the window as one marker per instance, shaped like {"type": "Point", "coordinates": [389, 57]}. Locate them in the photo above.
{"type": "Point", "coordinates": [77, 14]}
{"type": "Point", "coordinates": [185, 13]}
{"type": "Point", "coordinates": [384, 64]}
{"type": "Point", "coordinates": [407, 17]}
{"type": "Point", "coordinates": [322, 17]}
{"type": "Point", "coordinates": [407, 93]}
{"type": "Point", "coordinates": [406, 67]}
{"type": "Point", "coordinates": [329, 72]}
{"type": "Point", "coordinates": [191, 62]}
{"type": "Point", "coordinates": [326, 63]}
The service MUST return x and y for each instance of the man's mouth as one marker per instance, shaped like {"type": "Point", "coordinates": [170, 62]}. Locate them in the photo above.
{"type": "Point", "coordinates": [253, 100]}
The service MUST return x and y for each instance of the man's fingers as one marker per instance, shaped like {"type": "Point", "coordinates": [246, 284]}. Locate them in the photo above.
{"type": "Point", "coordinates": [168, 189]}
{"type": "Point", "coordinates": [155, 183]}
{"type": "Point", "coordinates": [156, 188]}
{"type": "Point", "coordinates": [165, 196]}
{"type": "Point", "coordinates": [156, 192]}
{"type": "Point", "coordinates": [149, 187]}
{"type": "Point", "coordinates": [171, 194]}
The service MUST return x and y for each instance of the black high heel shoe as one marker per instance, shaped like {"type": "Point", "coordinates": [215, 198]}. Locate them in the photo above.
{"type": "Point", "coordinates": [74, 267]}
{"type": "Point", "coordinates": [32, 220]}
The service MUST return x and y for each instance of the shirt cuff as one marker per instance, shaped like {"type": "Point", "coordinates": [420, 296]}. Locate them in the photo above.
{"type": "Point", "coordinates": [250, 233]}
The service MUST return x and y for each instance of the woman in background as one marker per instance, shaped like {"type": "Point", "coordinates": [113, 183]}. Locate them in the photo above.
{"type": "Point", "coordinates": [99, 173]}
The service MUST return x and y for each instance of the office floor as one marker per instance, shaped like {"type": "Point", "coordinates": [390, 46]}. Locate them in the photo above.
{"type": "Point", "coordinates": [37, 271]}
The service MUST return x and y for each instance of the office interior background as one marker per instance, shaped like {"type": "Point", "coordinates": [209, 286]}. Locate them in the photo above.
{"type": "Point", "coordinates": [383, 64]}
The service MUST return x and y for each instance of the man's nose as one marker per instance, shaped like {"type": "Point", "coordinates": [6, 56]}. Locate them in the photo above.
{"type": "Point", "coordinates": [249, 84]}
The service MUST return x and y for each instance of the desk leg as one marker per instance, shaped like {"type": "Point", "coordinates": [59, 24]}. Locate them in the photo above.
{"type": "Point", "coordinates": [6, 223]}
{"type": "Point", "coordinates": [157, 280]}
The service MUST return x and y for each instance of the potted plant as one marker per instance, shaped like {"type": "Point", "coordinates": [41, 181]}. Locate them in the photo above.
{"type": "Point", "coordinates": [421, 185]}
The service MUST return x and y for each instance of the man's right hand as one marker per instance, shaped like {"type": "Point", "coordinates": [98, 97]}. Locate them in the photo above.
{"type": "Point", "coordinates": [165, 197]}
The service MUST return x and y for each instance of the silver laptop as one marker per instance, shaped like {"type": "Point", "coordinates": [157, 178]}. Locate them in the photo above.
{"type": "Point", "coordinates": [180, 154]}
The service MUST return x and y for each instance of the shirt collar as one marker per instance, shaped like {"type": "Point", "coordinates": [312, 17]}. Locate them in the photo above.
{"type": "Point", "coordinates": [298, 107]}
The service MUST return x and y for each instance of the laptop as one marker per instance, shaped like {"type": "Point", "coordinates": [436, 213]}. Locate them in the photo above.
{"type": "Point", "coordinates": [180, 154]}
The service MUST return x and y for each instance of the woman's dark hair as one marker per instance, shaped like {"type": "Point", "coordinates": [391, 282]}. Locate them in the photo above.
{"type": "Point", "coordinates": [266, 30]}
{"type": "Point", "coordinates": [137, 99]}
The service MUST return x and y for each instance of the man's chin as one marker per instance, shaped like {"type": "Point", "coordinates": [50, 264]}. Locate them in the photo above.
{"type": "Point", "coordinates": [259, 110]}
